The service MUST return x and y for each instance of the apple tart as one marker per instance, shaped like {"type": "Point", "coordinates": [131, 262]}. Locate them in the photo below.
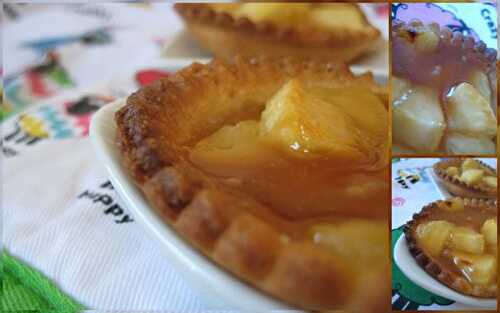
{"type": "Point", "coordinates": [443, 91]}
{"type": "Point", "coordinates": [327, 31]}
{"type": "Point", "coordinates": [276, 170]}
{"type": "Point", "coordinates": [467, 178]}
{"type": "Point", "coordinates": [455, 241]}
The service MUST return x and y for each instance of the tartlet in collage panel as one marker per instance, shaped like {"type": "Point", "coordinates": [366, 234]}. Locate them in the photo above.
{"type": "Point", "coordinates": [337, 32]}
{"type": "Point", "coordinates": [444, 91]}
{"type": "Point", "coordinates": [466, 177]}
{"type": "Point", "coordinates": [240, 158]}
{"type": "Point", "coordinates": [455, 241]}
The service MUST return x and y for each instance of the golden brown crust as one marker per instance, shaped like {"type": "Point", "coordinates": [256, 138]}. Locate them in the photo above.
{"type": "Point", "coordinates": [227, 36]}
{"type": "Point", "coordinates": [457, 187]}
{"type": "Point", "coordinates": [447, 277]}
{"type": "Point", "coordinates": [161, 120]}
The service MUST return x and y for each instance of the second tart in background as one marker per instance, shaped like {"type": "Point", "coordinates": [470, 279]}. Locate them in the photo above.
{"type": "Point", "coordinates": [469, 178]}
{"type": "Point", "coordinates": [318, 31]}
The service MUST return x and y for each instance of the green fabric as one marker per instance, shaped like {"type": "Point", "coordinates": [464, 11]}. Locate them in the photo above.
{"type": "Point", "coordinates": [25, 289]}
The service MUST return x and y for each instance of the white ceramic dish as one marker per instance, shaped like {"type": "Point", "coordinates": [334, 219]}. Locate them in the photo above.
{"type": "Point", "coordinates": [415, 273]}
{"type": "Point", "coordinates": [214, 285]}
{"type": "Point", "coordinates": [172, 65]}
{"type": "Point", "coordinates": [444, 194]}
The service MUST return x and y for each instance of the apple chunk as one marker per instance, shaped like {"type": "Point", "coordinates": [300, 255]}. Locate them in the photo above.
{"type": "Point", "coordinates": [489, 231]}
{"type": "Point", "coordinates": [479, 269]}
{"type": "Point", "coordinates": [362, 241]}
{"type": "Point", "coordinates": [434, 235]}
{"type": "Point", "coordinates": [490, 181]}
{"type": "Point", "coordinates": [303, 125]}
{"type": "Point", "coordinates": [458, 143]}
{"type": "Point", "coordinates": [467, 240]}
{"type": "Point", "coordinates": [399, 87]}
{"type": "Point", "coordinates": [231, 150]}
{"type": "Point", "coordinates": [469, 164]}
{"type": "Point", "coordinates": [469, 112]}
{"type": "Point", "coordinates": [481, 82]}
{"type": "Point", "coordinates": [418, 120]}
{"type": "Point", "coordinates": [472, 176]}
{"type": "Point", "coordinates": [273, 12]}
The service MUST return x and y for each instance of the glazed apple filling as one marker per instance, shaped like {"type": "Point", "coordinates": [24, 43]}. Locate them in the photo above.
{"type": "Point", "coordinates": [313, 152]}
{"type": "Point", "coordinates": [462, 240]}
{"type": "Point", "coordinates": [472, 173]}
{"type": "Point", "coordinates": [323, 16]}
{"type": "Point", "coordinates": [443, 96]}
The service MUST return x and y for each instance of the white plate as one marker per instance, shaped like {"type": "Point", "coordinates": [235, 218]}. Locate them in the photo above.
{"type": "Point", "coordinates": [443, 192]}
{"type": "Point", "coordinates": [184, 49]}
{"type": "Point", "coordinates": [172, 65]}
{"type": "Point", "coordinates": [214, 285]}
{"type": "Point", "coordinates": [415, 273]}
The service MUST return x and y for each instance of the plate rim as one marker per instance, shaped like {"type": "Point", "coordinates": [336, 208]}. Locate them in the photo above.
{"type": "Point", "coordinates": [200, 273]}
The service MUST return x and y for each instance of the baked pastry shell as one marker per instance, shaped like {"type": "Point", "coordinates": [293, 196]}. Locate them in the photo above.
{"type": "Point", "coordinates": [450, 279]}
{"type": "Point", "coordinates": [153, 129]}
{"type": "Point", "coordinates": [226, 37]}
{"type": "Point", "coordinates": [457, 187]}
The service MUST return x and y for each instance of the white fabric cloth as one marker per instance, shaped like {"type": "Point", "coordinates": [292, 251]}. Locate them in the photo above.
{"type": "Point", "coordinates": [61, 215]}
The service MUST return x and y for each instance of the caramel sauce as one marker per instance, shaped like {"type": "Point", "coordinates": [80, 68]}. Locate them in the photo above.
{"type": "Point", "coordinates": [470, 217]}
{"type": "Point", "coordinates": [300, 187]}
{"type": "Point", "coordinates": [444, 67]}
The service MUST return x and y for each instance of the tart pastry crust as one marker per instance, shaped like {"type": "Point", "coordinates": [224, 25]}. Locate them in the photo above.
{"type": "Point", "coordinates": [227, 36]}
{"type": "Point", "coordinates": [459, 188]}
{"type": "Point", "coordinates": [161, 120]}
{"type": "Point", "coordinates": [446, 276]}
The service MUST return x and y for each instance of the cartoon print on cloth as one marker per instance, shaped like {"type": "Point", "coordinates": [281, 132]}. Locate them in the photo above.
{"type": "Point", "coordinates": [148, 76]}
{"type": "Point", "coordinates": [82, 109]}
{"type": "Point", "coordinates": [62, 120]}
{"type": "Point", "coordinates": [38, 82]}
{"type": "Point", "coordinates": [412, 188]}
{"type": "Point", "coordinates": [406, 178]}
{"type": "Point", "coordinates": [105, 195]}
{"type": "Point", "coordinates": [47, 78]}
{"type": "Point", "coordinates": [406, 296]}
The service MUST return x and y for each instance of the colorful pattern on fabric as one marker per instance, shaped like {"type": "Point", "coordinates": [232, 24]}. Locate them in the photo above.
{"type": "Point", "coordinates": [62, 119]}
{"type": "Point", "coordinates": [38, 82]}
